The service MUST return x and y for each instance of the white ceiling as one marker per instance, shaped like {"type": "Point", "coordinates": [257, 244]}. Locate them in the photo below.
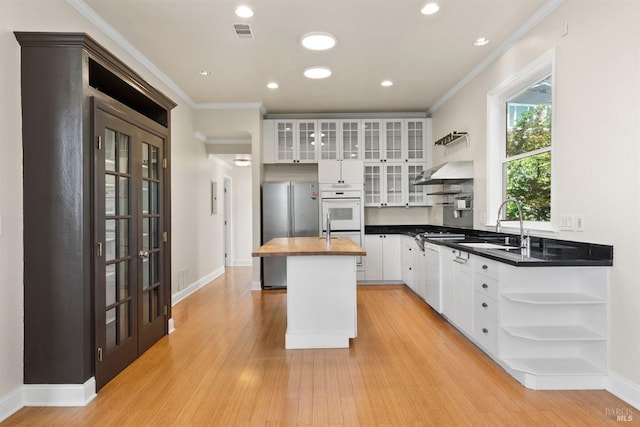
{"type": "Point", "coordinates": [377, 39]}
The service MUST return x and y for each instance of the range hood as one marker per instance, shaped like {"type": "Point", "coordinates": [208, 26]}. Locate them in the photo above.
{"type": "Point", "coordinates": [446, 173]}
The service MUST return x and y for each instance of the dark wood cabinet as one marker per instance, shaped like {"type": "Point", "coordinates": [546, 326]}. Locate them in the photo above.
{"type": "Point", "coordinates": [64, 77]}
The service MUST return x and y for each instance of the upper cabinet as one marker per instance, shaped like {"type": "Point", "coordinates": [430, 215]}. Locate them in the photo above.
{"type": "Point", "coordinates": [396, 140]}
{"type": "Point", "coordinates": [383, 140]}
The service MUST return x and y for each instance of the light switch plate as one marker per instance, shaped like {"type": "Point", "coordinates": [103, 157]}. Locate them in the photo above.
{"type": "Point", "coordinates": [579, 222]}
{"type": "Point", "coordinates": [566, 222]}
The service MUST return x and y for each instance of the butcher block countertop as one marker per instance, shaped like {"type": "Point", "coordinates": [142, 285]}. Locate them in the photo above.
{"type": "Point", "coordinates": [305, 246]}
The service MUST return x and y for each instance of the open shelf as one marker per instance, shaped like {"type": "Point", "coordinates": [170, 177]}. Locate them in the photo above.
{"type": "Point", "coordinates": [553, 333]}
{"type": "Point", "coordinates": [554, 366]}
{"type": "Point", "coordinates": [553, 298]}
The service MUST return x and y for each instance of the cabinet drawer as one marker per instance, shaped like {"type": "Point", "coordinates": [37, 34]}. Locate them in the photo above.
{"type": "Point", "coordinates": [485, 304]}
{"type": "Point", "coordinates": [487, 267]}
{"type": "Point", "coordinates": [486, 332]}
{"type": "Point", "coordinates": [486, 286]}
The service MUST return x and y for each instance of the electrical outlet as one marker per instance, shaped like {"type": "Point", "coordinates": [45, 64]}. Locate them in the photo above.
{"type": "Point", "coordinates": [566, 222]}
{"type": "Point", "coordinates": [579, 222]}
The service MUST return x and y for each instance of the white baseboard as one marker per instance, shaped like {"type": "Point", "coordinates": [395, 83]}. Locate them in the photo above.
{"type": "Point", "coordinates": [242, 262]}
{"type": "Point", "coordinates": [11, 403]}
{"type": "Point", "coordinates": [59, 394]}
{"type": "Point", "coordinates": [172, 326]}
{"type": "Point", "coordinates": [624, 389]}
{"type": "Point", "coordinates": [180, 295]}
{"type": "Point", "coordinates": [256, 285]}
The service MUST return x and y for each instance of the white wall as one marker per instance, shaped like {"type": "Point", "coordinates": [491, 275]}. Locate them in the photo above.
{"type": "Point", "coordinates": [596, 147]}
{"type": "Point", "coordinates": [211, 122]}
{"type": "Point", "coordinates": [197, 236]}
{"type": "Point", "coordinates": [241, 214]}
{"type": "Point", "coordinates": [191, 222]}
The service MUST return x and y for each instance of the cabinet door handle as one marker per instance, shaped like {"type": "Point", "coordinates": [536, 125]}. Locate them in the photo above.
{"type": "Point", "coordinates": [485, 286]}
{"type": "Point", "coordinates": [484, 266]}
{"type": "Point", "coordinates": [484, 304]}
{"type": "Point", "coordinates": [485, 331]}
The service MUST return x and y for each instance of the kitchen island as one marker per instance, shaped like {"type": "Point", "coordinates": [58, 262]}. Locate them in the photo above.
{"type": "Point", "coordinates": [321, 289]}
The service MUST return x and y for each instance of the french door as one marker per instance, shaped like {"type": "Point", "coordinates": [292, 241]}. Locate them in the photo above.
{"type": "Point", "coordinates": [129, 268]}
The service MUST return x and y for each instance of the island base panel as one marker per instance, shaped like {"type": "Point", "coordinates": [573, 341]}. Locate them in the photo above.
{"type": "Point", "coordinates": [321, 301]}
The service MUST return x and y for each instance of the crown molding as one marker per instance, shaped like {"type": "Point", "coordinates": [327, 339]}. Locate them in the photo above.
{"type": "Point", "coordinates": [91, 15]}
{"type": "Point", "coordinates": [517, 35]}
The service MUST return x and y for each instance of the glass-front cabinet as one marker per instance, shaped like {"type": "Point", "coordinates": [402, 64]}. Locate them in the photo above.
{"type": "Point", "coordinates": [284, 132]}
{"type": "Point", "coordinates": [329, 141]}
{"type": "Point", "coordinates": [372, 138]}
{"type": "Point", "coordinates": [351, 138]}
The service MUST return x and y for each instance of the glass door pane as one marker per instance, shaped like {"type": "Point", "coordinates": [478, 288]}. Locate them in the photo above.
{"type": "Point", "coordinates": [149, 238]}
{"type": "Point", "coordinates": [117, 238]}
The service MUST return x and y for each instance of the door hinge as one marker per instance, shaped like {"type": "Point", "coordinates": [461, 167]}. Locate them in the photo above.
{"type": "Point", "coordinates": [99, 249]}
{"type": "Point", "coordinates": [165, 236]}
{"type": "Point", "coordinates": [99, 354]}
{"type": "Point", "coordinates": [164, 163]}
{"type": "Point", "coordinates": [99, 142]}
{"type": "Point", "coordinates": [165, 310]}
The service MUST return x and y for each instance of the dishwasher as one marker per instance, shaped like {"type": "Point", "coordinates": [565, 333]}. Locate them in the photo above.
{"type": "Point", "coordinates": [432, 294]}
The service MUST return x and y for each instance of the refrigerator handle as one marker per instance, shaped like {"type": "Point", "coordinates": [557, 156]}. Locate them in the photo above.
{"type": "Point", "coordinates": [292, 220]}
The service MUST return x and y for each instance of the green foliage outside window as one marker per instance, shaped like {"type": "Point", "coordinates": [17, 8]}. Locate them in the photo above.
{"type": "Point", "coordinates": [529, 178]}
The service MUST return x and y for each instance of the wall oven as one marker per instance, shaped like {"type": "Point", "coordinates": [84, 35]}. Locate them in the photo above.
{"type": "Point", "coordinates": [344, 209]}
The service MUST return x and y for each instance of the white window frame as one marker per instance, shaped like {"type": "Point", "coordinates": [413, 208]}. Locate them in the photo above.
{"type": "Point", "coordinates": [496, 136]}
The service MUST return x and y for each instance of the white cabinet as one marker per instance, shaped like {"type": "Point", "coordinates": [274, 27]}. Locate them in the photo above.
{"type": "Point", "coordinates": [486, 317]}
{"type": "Point", "coordinates": [384, 184]}
{"type": "Point", "coordinates": [292, 141]}
{"type": "Point", "coordinates": [329, 140]}
{"type": "Point", "coordinates": [408, 261]}
{"type": "Point", "coordinates": [340, 139]}
{"type": "Point", "coordinates": [340, 172]}
{"type": "Point", "coordinates": [415, 195]}
{"type": "Point", "coordinates": [393, 146]}
{"type": "Point", "coordinates": [420, 276]}
{"type": "Point", "coordinates": [396, 151]}
{"type": "Point", "coordinates": [457, 288]}
{"type": "Point", "coordinates": [383, 257]}
{"type": "Point", "coordinates": [546, 326]}
{"type": "Point", "coordinates": [463, 291]}
{"type": "Point", "coordinates": [446, 281]}
{"type": "Point", "coordinates": [389, 184]}
{"type": "Point", "coordinates": [351, 139]}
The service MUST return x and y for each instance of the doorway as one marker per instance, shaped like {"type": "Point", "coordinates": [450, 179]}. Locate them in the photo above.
{"type": "Point", "coordinates": [227, 222]}
{"type": "Point", "coordinates": [129, 176]}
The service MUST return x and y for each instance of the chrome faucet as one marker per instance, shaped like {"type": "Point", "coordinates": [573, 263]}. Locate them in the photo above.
{"type": "Point", "coordinates": [328, 229]}
{"type": "Point", "coordinates": [525, 247]}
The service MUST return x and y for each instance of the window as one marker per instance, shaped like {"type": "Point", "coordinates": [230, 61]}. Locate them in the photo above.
{"type": "Point", "coordinates": [527, 160]}
{"type": "Point", "coordinates": [519, 145]}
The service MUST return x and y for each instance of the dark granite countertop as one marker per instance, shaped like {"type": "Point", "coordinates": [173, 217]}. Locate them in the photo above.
{"type": "Point", "coordinates": [545, 252]}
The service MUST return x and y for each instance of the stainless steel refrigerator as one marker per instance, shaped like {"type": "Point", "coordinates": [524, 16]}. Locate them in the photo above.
{"type": "Point", "coordinates": [289, 209]}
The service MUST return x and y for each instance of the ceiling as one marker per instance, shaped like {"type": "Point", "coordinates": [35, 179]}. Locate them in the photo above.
{"type": "Point", "coordinates": [425, 56]}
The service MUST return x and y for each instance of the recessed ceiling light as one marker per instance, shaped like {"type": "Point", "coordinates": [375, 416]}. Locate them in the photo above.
{"type": "Point", "coordinates": [205, 73]}
{"type": "Point", "coordinates": [386, 83]}
{"type": "Point", "coordinates": [481, 41]}
{"type": "Point", "coordinates": [244, 12]}
{"type": "Point", "coordinates": [318, 41]}
{"type": "Point", "coordinates": [273, 85]}
{"type": "Point", "coordinates": [430, 8]}
{"type": "Point", "coordinates": [242, 162]}
{"type": "Point", "coordinates": [317, 72]}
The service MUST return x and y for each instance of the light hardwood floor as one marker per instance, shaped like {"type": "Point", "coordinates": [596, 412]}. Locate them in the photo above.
{"type": "Point", "coordinates": [226, 365]}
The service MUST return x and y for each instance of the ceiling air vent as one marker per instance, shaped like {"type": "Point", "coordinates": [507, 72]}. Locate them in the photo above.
{"type": "Point", "coordinates": [243, 31]}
